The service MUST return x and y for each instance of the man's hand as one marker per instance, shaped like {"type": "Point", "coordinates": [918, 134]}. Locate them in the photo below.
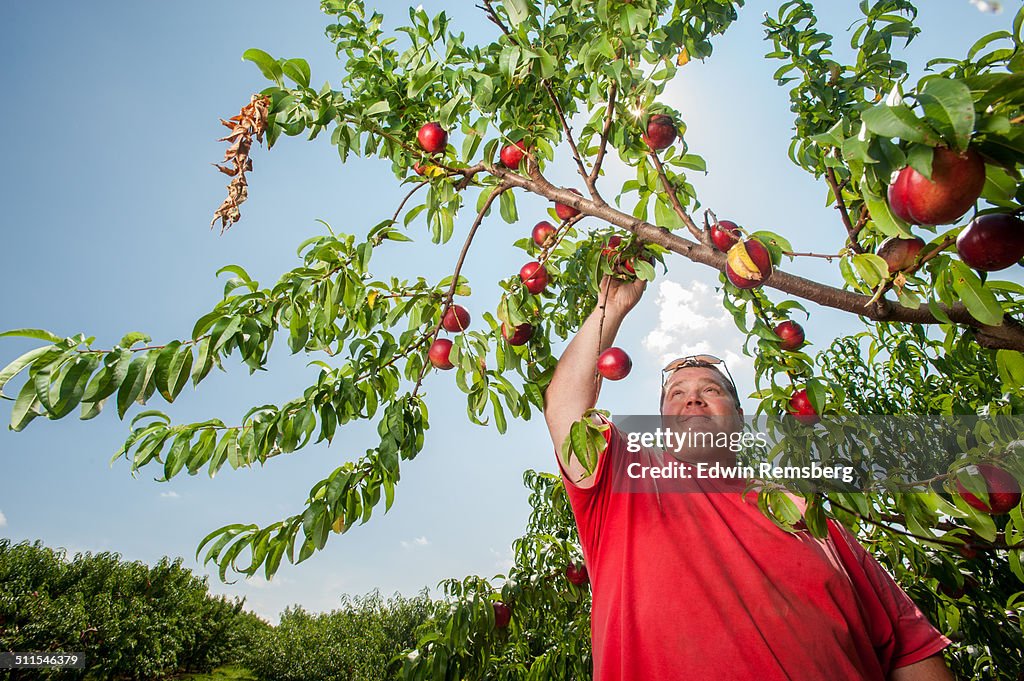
{"type": "Point", "coordinates": [617, 297]}
{"type": "Point", "coordinates": [574, 387]}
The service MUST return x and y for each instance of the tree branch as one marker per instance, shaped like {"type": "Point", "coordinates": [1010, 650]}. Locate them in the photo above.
{"type": "Point", "coordinates": [447, 301]}
{"type": "Point", "coordinates": [1008, 335]}
{"type": "Point", "coordinates": [588, 178]}
{"type": "Point", "coordinates": [699, 235]}
{"type": "Point", "coordinates": [851, 230]}
{"type": "Point", "coordinates": [419, 186]}
{"type": "Point", "coordinates": [602, 148]}
{"type": "Point", "coordinates": [572, 142]}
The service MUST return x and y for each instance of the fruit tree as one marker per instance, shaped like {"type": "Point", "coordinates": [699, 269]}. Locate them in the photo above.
{"type": "Point", "coordinates": [923, 174]}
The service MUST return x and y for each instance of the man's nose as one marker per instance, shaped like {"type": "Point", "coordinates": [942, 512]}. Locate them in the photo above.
{"type": "Point", "coordinates": [695, 398]}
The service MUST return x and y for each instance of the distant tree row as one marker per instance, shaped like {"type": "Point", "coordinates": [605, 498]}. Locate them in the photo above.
{"type": "Point", "coordinates": [132, 621]}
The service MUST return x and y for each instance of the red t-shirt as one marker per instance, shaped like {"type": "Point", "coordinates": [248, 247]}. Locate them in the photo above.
{"type": "Point", "coordinates": [702, 585]}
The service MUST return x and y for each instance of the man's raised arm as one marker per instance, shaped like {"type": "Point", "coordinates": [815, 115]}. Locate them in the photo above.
{"type": "Point", "coordinates": [575, 386]}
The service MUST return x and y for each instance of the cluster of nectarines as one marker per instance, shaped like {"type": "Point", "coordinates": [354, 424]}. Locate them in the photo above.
{"type": "Point", "coordinates": [990, 242]}
{"type": "Point", "coordinates": [455, 320]}
{"type": "Point", "coordinates": [748, 265]}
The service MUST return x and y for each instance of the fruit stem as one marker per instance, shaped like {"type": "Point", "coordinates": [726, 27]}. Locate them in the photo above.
{"type": "Point", "coordinates": [946, 243]}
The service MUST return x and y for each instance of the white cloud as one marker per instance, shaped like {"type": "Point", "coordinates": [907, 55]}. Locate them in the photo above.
{"type": "Point", "coordinates": [417, 542]}
{"type": "Point", "coordinates": [691, 320]}
{"type": "Point", "coordinates": [169, 495]}
{"type": "Point", "coordinates": [503, 560]}
{"type": "Point", "coordinates": [3, 519]}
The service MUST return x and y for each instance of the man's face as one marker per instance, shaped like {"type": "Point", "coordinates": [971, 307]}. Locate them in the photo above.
{"type": "Point", "coordinates": [696, 399]}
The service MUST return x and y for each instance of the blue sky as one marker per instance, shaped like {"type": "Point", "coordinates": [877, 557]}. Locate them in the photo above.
{"type": "Point", "coordinates": [107, 188]}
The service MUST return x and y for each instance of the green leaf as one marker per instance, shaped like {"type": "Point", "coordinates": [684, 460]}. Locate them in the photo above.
{"type": "Point", "coordinates": [1010, 364]}
{"type": "Point", "coordinates": [814, 516]}
{"type": "Point", "coordinates": [162, 374]}
{"type": "Point", "coordinates": [518, 11]}
{"type": "Point", "coordinates": [665, 214]}
{"type": "Point", "coordinates": [381, 107]}
{"type": "Point", "coordinates": [831, 138]}
{"type": "Point", "coordinates": [883, 217]}
{"type": "Point", "coordinates": [38, 334]}
{"type": "Point", "coordinates": [507, 202]}
{"type": "Point", "coordinates": [693, 162]}
{"type": "Point", "coordinates": [134, 380]}
{"type": "Point", "coordinates": [872, 269]}
{"type": "Point", "coordinates": [508, 61]}
{"type": "Point", "coordinates": [499, 414]}
{"type": "Point", "coordinates": [15, 367]}
{"type": "Point", "coordinates": [899, 121]}
{"type": "Point", "coordinates": [978, 299]}
{"type": "Point", "coordinates": [783, 510]}
{"type": "Point", "coordinates": [979, 521]}
{"type": "Point", "coordinates": [297, 70]}
{"type": "Point", "coordinates": [576, 445]}
{"type": "Point", "coordinates": [548, 65]}
{"type": "Point", "coordinates": [920, 157]}
{"type": "Point", "coordinates": [180, 369]}
{"type": "Point", "coordinates": [109, 378]}
{"type": "Point", "coordinates": [950, 100]}
{"type": "Point", "coordinates": [937, 311]}
{"type": "Point", "coordinates": [267, 65]}
{"type": "Point", "coordinates": [73, 386]}
{"type": "Point", "coordinates": [26, 407]}
{"type": "Point", "coordinates": [204, 362]}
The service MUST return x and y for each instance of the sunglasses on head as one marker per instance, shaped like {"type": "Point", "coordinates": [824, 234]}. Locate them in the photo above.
{"type": "Point", "coordinates": [701, 360]}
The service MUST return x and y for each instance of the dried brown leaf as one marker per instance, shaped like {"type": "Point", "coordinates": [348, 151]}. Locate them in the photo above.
{"type": "Point", "coordinates": [250, 121]}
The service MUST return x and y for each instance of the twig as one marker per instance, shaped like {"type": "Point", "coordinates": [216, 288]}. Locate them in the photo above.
{"type": "Point", "coordinates": [888, 528]}
{"type": "Point", "coordinates": [837, 191]}
{"type": "Point", "coordinates": [678, 207]}
{"type": "Point", "coordinates": [602, 148]}
{"type": "Point", "coordinates": [569, 138]}
{"type": "Point", "coordinates": [826, 256]}
{"type": "Point", "coordinates": [447, 300]}
{"type": "Point", "coordinates": [561, 230]}
{"type": "Point", "coordinates": [493, 16]}
{"type": "Point", "coordinates": [946, 243]}
{"type": "Point", "coordinates": [419, 186]}
{"type": "Point", "coordinates": [600, 328]}
{"type": "Point", "coordinates": [495, 19]}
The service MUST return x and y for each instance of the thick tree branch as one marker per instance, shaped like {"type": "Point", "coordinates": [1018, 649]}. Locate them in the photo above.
{"type": "Point", "coordinates": [1008, 335]}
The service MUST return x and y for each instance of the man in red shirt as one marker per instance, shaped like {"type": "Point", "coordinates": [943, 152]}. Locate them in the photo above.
{"type": "Point", "coordinates": [698, 583]}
